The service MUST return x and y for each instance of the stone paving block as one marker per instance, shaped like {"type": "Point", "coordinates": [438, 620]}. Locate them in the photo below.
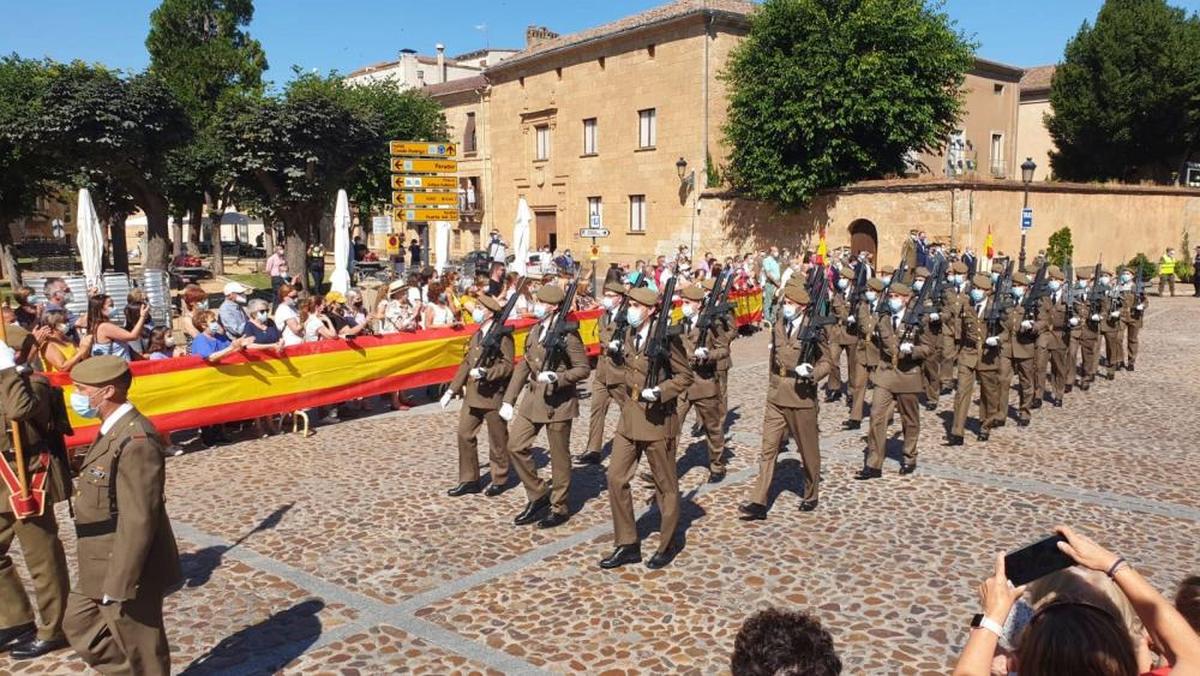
{"type": "Point", "coordinates": [385, 650]}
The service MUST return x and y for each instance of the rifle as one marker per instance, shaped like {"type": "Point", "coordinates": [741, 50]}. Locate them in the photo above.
{"type": "Point", "coordinates": [1139, 291]}
{"type": "Point", "coordinates": [658, 351]}
{"type": "Point", "coordinates": [560, 327]}
{"type": "Point", "coordinates": [913, 313]}
{"type": "Point", "coordinates": [1094, 294]}
{"type": "Point", "coordinates": [815, 319]}
{"type": "Point", "coordinates": [859, 292]}
{"type": "Point", "coordinates": [1069, 299]}
{"type": "Point", "coordinates": [714, 308]}
{"type": "Point", "coordinates": [1036, 290]}
{"type": "Point", "coordinates": [494, 338]}
{"type": "Point", "coordinates": [999, 304]}
{"type": "Point", "coordinates": [972, 268]}
{"type": "Point", "coordinates": [937, 277]}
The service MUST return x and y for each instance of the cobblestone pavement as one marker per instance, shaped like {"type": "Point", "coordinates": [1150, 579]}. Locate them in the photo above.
{"type": "Point", "coordinates": [342, 554]}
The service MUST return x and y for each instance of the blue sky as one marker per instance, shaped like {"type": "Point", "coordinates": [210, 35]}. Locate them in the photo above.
{"type": "Point", "coordinates": [345, 34]}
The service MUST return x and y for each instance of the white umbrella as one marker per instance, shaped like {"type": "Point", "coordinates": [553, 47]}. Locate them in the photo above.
{"type": "Point", "coordinates": [340, 279]}
{"type": "Point", "coordinates": [90, 240]}
{"type": "Point", "coordinates": [521, 236]}
{"type": "Point", "coordinates": [441, 245]}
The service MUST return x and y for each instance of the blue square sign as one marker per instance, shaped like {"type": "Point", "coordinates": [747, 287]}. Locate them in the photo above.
{"type": "Point", "coordinates": [1026, 219]}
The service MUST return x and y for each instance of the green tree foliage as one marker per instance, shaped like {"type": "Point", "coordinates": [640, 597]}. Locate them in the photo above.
{"type": "Point", "coordinates": [1126, 98]}
{"type": "Point", "coordinates": [827, 92]}
{"type": "Point", "coordinates": [1149, 268]}
{"type": "Point", "coordinates": [1060, 248]}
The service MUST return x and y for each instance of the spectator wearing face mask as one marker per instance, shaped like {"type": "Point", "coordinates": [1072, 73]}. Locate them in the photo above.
{"type": "Point", "coordinates": [192, 299]}
{"type": "Point", "coordinates": [58, 354]}
{"type": "Point", "coordinates": [287, 316]}
{"type": "Point", "coordinates": [438, 314]}
{"type": "Point", "coordinates": [133, 310]}
{"type": "Point", "coordinates": [58, 296]}
{"type": "Point", "coordinates": [160, 345]}
{"type": "Point", "coordinates": [276, 269]}
{"type": "Point", "coordinates": [259, 325]}
{"type": "Point", "coordinates": [212, 344]}
{"type": "Point", "coordinates": [107, 337]}
{"type": "Point", "coordinates": [231, 314]}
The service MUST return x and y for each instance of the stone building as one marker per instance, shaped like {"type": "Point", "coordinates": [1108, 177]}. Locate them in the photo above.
{"type": "Point", "coordinates": [1033, 139]}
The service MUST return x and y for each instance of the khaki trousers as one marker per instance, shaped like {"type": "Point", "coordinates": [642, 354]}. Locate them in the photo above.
{"type": "Point", "coordinates": [858, 390]}
{"type": "Point", "coordinates": [622, 464]}
{"type": "Point", "coordinates": [1089, 354]}
{"type": "Point", "coordinates": [1006, 375]}
{"type": "Point", "coordinates": [1131, 340]}
{"type": "Point", "coordinates": [883, 403]}
{"type": "Point", "coordinates": [1025, 369]}
{"type": "Point", "coordinates": [521, 433]}
{"type": "Point", "coordinates": [470, 419]}
{"type": "Point", "coordinates": [1114, 350]}
{"type": "Point", "coordinates": [989, 383]}
{"type": "Point", "coordinates": [1167, 280]}
{"type": "Point", "coordinates": [931, 372]}
{"type": "Point", "coordinates": [47, 566]}
{"type": "Point", "coordinates": [950, 350]}
{"type": "Point", "coordinates": [708, 411]}
{"type": "Point", "coordinates": [602, 397]}
{"type": "Point", "coordinates": [723, 380]}
{"type": "Point", "coordinates": [1041, 362]}
{"type": "Point", "coordinates": [834, 382]}
{"type": "Point", "coordinates": [122, 638]}
{"type": "Point", "coordinates": [1060, 373]}
{"type": "Point", "coordinates": [778, 422]}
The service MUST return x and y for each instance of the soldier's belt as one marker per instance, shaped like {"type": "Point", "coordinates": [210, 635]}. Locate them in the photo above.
{"type": "Point", "coordinates": [95, 529]}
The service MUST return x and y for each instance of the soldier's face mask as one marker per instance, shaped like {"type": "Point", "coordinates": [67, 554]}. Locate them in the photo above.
{"type": "Point", "coordinates": [977, 295]}
{"type": "Point", "coordinates": [635, 316]}
{"type": "Point", "coordinates": [81, 403]}
{"type": "Point", "coordinates": [1055, 285]}
{"type": "Point", "coordinates": [790, 311]}
{"type": "Point", "coordinates": [688, 309]}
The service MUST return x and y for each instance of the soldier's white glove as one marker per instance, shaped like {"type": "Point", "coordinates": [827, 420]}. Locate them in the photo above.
{"type": "Point", "coordinates": [1027, 325]}
{"type": "Point", "coordinates": [549, 377]}
{"type": "Point", "coordinates": [1140, 307]}
{"type": "Point", "coordinates": [701, 353]}
{"type": "Point", "coordinates": [614, 346]}
{"type": "Point", "coordinates": [446, 397]}
{"type": "Point", "coordinates": [477, 372]}
{"type": "Point", "coordinates": [992, 341]}
{"type": "Point", "coordinates": [804, 370]}
{"type": "Point", "coordinates": [935, 316]}
{"type": "Point", "coordinates": [8, 358]}
{"type": "Point", "coordinates": [851, 320]}
{"type": "Point", "coordinates": [506, 412]}
{"type": "Point", "coordinates": [1073, 321]}
{"type": "Point", "coordinates": [651, 394]}
{"type": "Point", "coordinates": [1096, 318]}
{"type": "Point", "coordinates": [1114, 314]}
{"type": "Point", "coordinates": [906, 348]}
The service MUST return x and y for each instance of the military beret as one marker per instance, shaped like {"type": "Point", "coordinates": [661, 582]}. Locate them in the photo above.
{"type": "Point", "coordinates": [887, 270]}
{"type": "Point", "coordinates": [16, 336]}
{"type": "Point", "coordinates": [1020, 278]}
{"type": "Point", "coordinates": [982, 281]}
{"type": "Point", "coordinates": [921, 271]}
{"type": "Point", "coordinates": [615, 287]}
{"type": "Point", "coordinates": [1054, 272]}
{"type": "Point", "coordinates": [551, 294]}
{"type": "Point", "coordinates": [900, 290]}
{"type": "Point", "coordinates": [875, 284]}
{"type": "Point", "coordinates": [1083, 273]}
{"type": "Point", "coordinates": [848, 272]}
{"type": "Point", "coordinates": [797, 294]}
{"type": "Point", "coordinates": [693, 292]}
{"type": "Point", "coordinates": [959, 268]}
{"type": "Point", "coordinates": [709, 284]}
{"type": "Point", "coordinates": [1106, 271]}
{"type": "Point", "coordinates": [99, 371]}
{"type": "Point", "coordinates": [490, 302]}
{"type": "Point", "coordinates": [644, 296]}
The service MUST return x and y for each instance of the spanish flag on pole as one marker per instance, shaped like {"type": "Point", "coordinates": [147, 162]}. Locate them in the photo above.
{"type": "Point", "coordinates": [989, 247]}
{"type": "Point", "coordinates": [822, 249]}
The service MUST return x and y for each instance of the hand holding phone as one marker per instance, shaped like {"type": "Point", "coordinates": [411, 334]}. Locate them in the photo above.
{"type": "Point", "coordinates": [1037, 560]}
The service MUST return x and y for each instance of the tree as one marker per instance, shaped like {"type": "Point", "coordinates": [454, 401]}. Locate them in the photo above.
{"type": "Point", "coordinates": [1060, 247]}
{"type": "Point", "coordinates": [824, 93]}
{"type": "Point", "coordinates": [1126, 99]}
{"type": "Point", "coordinates": [201, 53]}
{"type": "Point", "coordinates": [123, 127]}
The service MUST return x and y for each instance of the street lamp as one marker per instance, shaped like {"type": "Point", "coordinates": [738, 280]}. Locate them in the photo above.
{"type": "Point", "coordinates": [1027, 169]}
{"type": "Point", "coordinates": [687, 182]}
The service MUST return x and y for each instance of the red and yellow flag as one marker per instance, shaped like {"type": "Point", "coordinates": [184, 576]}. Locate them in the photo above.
{"type": "Point", "coordinates": [822, 249]}
{"type": "Point", "coordinates": [989, 247]}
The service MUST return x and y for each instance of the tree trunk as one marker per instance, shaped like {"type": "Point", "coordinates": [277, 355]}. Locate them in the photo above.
{"type": "Point", "coordinates": [176, 236]}
{"type": "Point", "coordinates": [218, 259]}
{"type": "Point", "coordinates": [195, 216]}
{"type": "Point", "coordinates": [157, 245]}
{"type": "Point", "coordinates": [268, 237]}
{"type": "Point", "coordinates": [120, 252]}
{"type": "Point", "coordinates": [296, 248]}
{"type": "Point", "coordinates": [9, 267]}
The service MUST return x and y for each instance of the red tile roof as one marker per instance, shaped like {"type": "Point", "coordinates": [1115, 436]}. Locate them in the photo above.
{"type": "Point", "coordinates": [1038, 77]}
{"type": "Point", "coordinates": [456, 86]}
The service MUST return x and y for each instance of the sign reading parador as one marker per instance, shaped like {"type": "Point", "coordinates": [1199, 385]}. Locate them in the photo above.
{"type": "Point", "coordinates": [402, 165]}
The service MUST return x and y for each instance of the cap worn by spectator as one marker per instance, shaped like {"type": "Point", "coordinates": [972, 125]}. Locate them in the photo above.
{"type": "Point", "coordinates": [100, 371]}
{"type": "Point", "coordinates": [236, 287]}
{"type": "Point", "coordinates": [396, 285]}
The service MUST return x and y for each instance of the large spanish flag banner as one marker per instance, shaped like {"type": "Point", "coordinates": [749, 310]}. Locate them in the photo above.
{"type": "Point", "coordinates": [187, 392]}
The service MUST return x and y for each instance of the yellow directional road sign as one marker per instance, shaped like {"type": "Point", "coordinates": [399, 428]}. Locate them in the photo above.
{"type": "Point", "coordinates": [401, 165]}
{"type": "Point", "coordinates": [423, 149]}
{"type": "Point", "coordinates": [408, 199]}
{"type": "Point", "coordinates": [400, 182]}
{"type": "Point", "coordinates": [426, 214]}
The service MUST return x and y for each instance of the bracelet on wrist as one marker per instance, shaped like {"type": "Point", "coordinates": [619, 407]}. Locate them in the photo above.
{"type": "Point", "coordinates": [1116, 567]}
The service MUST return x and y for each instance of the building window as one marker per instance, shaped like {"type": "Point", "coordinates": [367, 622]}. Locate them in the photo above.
{"type": "Point", "coordinates": [595, 213]}
{"type": "Point", "coordinates": [601, 61]}
{"type": "Point", "coordinates": [997, 89]}
{"type": "Point", "coordinates": [647, 128]}
{"type": "Point", "coordinates": [558, 72]}
{"type": "Point", "coordinates": [589, 136]}
{"type": "Point", "coordinates": [457, 239]}
{"type": "Point", "coordinates": [637, 213]}
{"type": "Point", "coordinates": [421, 75]}
{"type": "Point", "coordinates": [469, 137]}
{"type": "Point", "coordinates": [997, 155]}
{"type": "Point", "coordinates": [542, 132]}
{"type": "Point", "coordinates": [650, 50]}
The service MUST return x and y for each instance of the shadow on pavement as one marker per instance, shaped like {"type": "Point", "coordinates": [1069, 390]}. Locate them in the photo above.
{"type": "Point", "coordinates": [284, 636]}
{"type": "Point", "coordinates": [198, 566]}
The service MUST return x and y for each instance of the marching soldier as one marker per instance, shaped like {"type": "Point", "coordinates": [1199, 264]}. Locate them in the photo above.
{"type": "Point", "coordinates": [1021, 349]}
{"type": "Point", "coordinates": [842, 337]}
{"type": "Point", "coordinates": [1111, 325]}
{"type": "Point", "coordinates": [932, 324]}
{"type": "Point", "coordinates": [1089, 334]}
{"type": "Point", "coordinates": [955, 299]}
{"type": "Point", "coordinates": [725, 362]}
{"type": "Point", "coordinates": [1060, 323]}
{"type": "Point", "coordinates": [1133, 311]}
{"type": "Point", "coordinates": [704, 394]}
{"type": "Point", "coordinates": [30, 405]}
{"type": "Point", "coordinates": [608, 379]}
{"type": "Point", "coordinates": [979, 357]}
{"type": "Point", "coordinates": [898, 383]}
{"type": "Point", "coordinates": [552, 402]}
{"type": "Point", "coordinates": [127, 553]}
{"type": "Point", "coordinates": [482, 388]}
{"type": "Point", "coordinates": [866, 359]}
{"type": "Point", "coordinates": [649, 423]}
{"type": "Point", "coordinates": [791, 406]}
{"type": "Point", "coordinates": [1074, 368]}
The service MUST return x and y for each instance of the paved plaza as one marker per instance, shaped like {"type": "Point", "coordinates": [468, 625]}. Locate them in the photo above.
{"type": "Point", "coordinates": [342, 554]}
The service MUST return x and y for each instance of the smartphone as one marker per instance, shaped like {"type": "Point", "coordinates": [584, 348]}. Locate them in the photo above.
{"type": "Point", "coordinates": [1037, 560]}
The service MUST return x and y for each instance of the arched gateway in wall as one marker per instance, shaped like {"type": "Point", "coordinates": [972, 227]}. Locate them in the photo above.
{"type": "Point", "coordinates": [864, 237]}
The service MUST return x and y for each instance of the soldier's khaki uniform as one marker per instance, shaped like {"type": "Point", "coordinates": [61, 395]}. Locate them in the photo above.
{"type": "Point", "coordinates": [898, 385]}
{"type": "Point", "coordinates": [126, 552]}
{"type": "Point", "coordinates": [608, 382]}
{"type": "Point", "coordinates": [977, 361]}
{"type": "Point", "coordinates": [791, 408]}
{"type": "Point", "coordinates": [952, 308]}
{"type": "Point", "coordinates": [866, 360]}
{"type": "Point", "coordinates": [1111, 330]}
{"type": "Point", "coordinates": [549, 405]}
{"type": "Point", "coordinates": [842, 338]}
{"type": "Point", "coordinates": [481, 404]}
{"type": "Point", "coordinates": [931, 367]}
{"type": "Point", "coordinates": [1056, 341]}
{"type": "Point", "coordinates": [647, 428]}
{"type": "Point", "coordinates": [25, 401]}
{"type": "Point", "coordinates": [1021, 349]}
{"type": "Point", "coordinates": [1089, 335]}
{"type": "Point", "coordinates": [1132, 318]}
{"type": "Point", "coordinates": [704, 394]}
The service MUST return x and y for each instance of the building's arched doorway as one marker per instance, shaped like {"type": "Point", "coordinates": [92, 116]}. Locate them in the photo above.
{"type": "Point", "coordinates": [864, 237]}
